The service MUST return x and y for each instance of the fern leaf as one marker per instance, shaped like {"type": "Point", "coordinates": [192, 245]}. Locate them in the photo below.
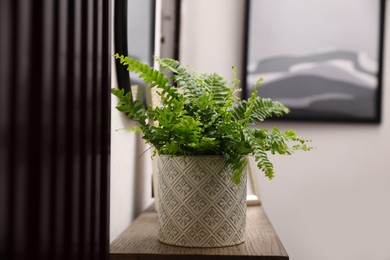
{"type": "Point", "coordinates": [192, 84]}
{"type": "Point", "coordinates": [133, 109]}
{"type": "Point", "coordinates": [239, 110]}
{"type": "Point", "coordinates": [238, 168]}
{"type": "Point", "coordinates": [218, 88]}
{"type": "Point", "coordinates": [260, 155]}
{"type": "Point", "coordinates": [149, 75]}
{"type": "Point", "coordinates": [262, 108]}
{"type": "Point", "coordinates": [168, 64]}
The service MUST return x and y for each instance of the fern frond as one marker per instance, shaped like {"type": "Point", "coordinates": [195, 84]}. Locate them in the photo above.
{"type": "Point", "coordinates": [181, 77]}
{"type": "Point", "coordinates": [168, 64]}
{"type": "Point", "coordinates": [265, 107]}
{"type": "Point", "coordinates": [150, 75]}
{"type": "Point", "coordinates": [237, 164]}
{"type": "Point", "coordinates": [218, 88]}
{"type": "Point", "coordinates": [133, 109]}
{"type": "Point", "coordinates": [278, 142]}
{"type": "Point", "coordinates": [258, 109]}
{"type": "Point", "coordinates": [250, 106]}
{"type": "Point", "coordinates": [260, 155]}
{"type": "Point", "coordinates": [236, 81]}
{"type": "Point", "coordinates": [262, 108]}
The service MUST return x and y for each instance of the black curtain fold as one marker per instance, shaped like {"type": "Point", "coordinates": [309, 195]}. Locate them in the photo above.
{"type": "Point", "coordinates": [54, 128]}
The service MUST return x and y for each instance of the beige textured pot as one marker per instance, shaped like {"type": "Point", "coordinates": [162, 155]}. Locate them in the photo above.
{"type": "Point", "coordinates": [199, 206]}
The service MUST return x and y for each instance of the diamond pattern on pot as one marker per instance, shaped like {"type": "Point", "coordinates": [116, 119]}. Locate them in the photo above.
{"type": "Point", "coordinates": [170, 172]}
{"type": "Point", "coordinates": [235, 214]}
{"type": "Point", "coordinates": [212, 242]}
{"type": "Point", "coordinates": [225, 231]}
{"type": "Point", "coordinates": [212, 164]}
{"type": "Point", "coordinates": [225, 202]}
{"type": "Point", "coordinates": [197, 233]}
{"type": "Point", "coordinates": [182, 187]}
{"type": "Point", "coordinates": [199, 206]}
{"type": "Point", "coordinates": [213, 188]}
{"type": "Point", "coordinates": [172, 232]}
{"type": "Point", "coordinates": [171, 202]}
{"type": "Point", "coordinates": [212, 217]}
{"type": "Point", "coordinates": [197, 173]}
{"type": "Point", "coordinates": [184, 241]}
{"type": "Point", "coordinates": [197, 202]}
{"type": "Point", "coordinates": [182, 218]}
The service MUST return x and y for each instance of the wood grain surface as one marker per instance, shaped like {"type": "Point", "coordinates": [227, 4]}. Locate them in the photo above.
{"type": "Point", "coordinates": [140, 241]}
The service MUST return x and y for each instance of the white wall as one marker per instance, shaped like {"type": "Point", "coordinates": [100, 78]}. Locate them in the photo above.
{"type": "Point", "coordinates": [131, 174]}
{"type": "Point", "coordinates": [330, 203]}
{"type": "Point", "coordinates": [122, 173]}
{"type": "Point", "coordinates": [211, 36]}
{"type": "Point", "coordinates": [131, 169]}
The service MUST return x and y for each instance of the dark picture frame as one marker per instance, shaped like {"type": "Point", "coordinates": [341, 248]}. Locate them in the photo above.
{"type": "Point", "coordinates": [323, 60]}
{"type": "Point", "coordinates": [134, 36]}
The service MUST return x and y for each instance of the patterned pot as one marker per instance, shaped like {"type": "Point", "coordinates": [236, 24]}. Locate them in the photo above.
{"type": "Point", "coordinates": [198, 204]}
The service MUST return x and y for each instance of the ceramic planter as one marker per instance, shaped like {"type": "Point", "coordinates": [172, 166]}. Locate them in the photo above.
{"type": "Point", "coordinates": [198, 204]}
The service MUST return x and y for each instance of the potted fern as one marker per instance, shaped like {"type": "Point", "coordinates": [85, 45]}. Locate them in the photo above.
{"type": "Point", "coordinates": [203, 134]}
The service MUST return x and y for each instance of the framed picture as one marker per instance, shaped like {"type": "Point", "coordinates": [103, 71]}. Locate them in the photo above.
{"type": "Point", "coordinates": [322, 59]}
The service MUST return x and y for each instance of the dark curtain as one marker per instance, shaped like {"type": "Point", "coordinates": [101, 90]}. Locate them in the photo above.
{"type": "Point", "coordinates": [54, 129]}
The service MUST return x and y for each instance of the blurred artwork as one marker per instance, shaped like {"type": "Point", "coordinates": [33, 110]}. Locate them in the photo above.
{"type": "Point", "coordinates": [320, 58]}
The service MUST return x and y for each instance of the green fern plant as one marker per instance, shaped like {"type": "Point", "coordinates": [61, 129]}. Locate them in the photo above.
{"type": "Point", "coordinates": [203, 116]}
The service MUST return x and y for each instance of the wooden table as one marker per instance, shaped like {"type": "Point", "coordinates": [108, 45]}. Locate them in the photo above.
{"type": "Point", "coordinates": [140, 241]}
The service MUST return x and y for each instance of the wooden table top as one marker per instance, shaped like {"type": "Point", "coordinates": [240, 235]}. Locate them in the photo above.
{"type": "Point", "coordinates": [140, 241]}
